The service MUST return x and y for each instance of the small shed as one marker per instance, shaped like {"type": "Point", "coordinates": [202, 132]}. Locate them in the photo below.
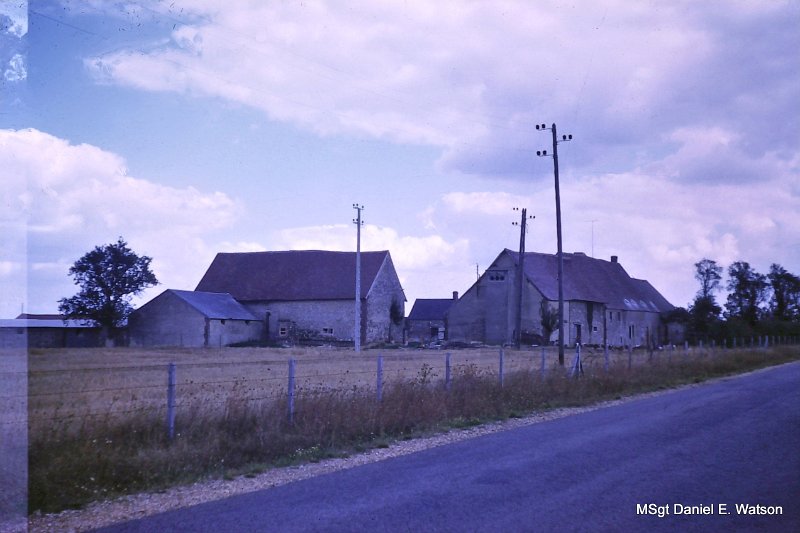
{"type": "Point", "coordinates": [192, 319]}
{"type": "Point", "coordinates": [47, 331]}
{"type": "Point", "coordinates": [427, 320]}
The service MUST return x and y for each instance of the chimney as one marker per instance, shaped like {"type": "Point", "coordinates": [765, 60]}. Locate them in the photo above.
{"type": "Point", "coordinates": [455, 295]}
{"type": "Point", "coordinates": [614, 259]}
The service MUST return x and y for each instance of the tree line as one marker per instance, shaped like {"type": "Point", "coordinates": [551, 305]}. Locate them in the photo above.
{"type": "Point", "coordinates": [756, 303]}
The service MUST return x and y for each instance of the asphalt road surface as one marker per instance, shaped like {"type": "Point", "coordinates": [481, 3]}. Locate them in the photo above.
{"type": "Point", "coordinates": [734, 441]}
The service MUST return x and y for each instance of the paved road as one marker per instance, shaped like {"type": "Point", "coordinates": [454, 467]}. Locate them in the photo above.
{"type": "Point", "coordinates": [735, 441]}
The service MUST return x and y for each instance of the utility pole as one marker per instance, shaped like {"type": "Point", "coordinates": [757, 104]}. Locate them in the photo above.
{"type": "Point", "coordinates": [523, 229]}
{"type": "Point", "coordinates": [593, 221]}
{"type": "Point", "coordinates": [543, 153]}
{"type": "Point", "coordinates": [358, 222]}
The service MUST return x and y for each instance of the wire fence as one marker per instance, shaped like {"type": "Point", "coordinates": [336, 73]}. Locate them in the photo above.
{"type": "Point", "coordinates": [76, 393]}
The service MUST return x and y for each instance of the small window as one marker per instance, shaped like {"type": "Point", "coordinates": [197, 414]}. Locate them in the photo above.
{"type": "Point", "coordinates": [222, 321]}
{"type": "Point", "coordinates": [327, 331]}
{"type": "Point", "coordinates": [611, 316]}
{"type": "Point", "coordinates": [630, 331]}
{"type": "Point", "coordinates": [594, 328]}
{"type": "Point", "coordinates": [283, 331]}
{"type": "Point", "coordinates": [497, 276]}
{"type": "Point", "coordinates": [246, 322]}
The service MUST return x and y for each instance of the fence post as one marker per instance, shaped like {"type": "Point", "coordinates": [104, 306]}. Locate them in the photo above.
{"type": "Point", "coordinates": [543, 361]}
{"type": "Point", "coordinates": [171, 382]}
{"type": "Point", "coordinates": [379, 382]}
{"type": "Point", "coordinates": [447, 376]}
{"type": "Point", "coordinates": [502, 355]}
{"type": "Point", "coordinates": [686, 347]}
{"type": "Point", "coordinates": [577, 368]}
{"type": "Point", "coordinates": [290, 392]}
{"type": "Point", "coordinates": [605, 355]}
{"type": "Point", "coordinates": [630, 356]}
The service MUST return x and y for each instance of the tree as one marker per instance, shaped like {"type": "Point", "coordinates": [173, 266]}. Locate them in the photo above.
{"type": "Point", "coordinates": [747, 292]}
{"type": "Point", "coordinates": [704, 311]}
{"type": "Point", "coordinates": [548, 319]}
{"type": "Point", "coordinates": [785, 303]}
{"type": "Point", "coordinates": [709, 274]}
{"type": "Point", "coordinates": [108, 277]}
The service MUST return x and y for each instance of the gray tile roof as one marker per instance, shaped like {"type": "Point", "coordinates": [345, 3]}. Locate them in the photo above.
{"type": "Point", "coordinates": [214, 305]}
{"type": "Point", "coordinates": [430, 308]}
{"type": "Point", "coordinates": [593, 280]}
{"type": "Point", "coordinates": [291, 275]}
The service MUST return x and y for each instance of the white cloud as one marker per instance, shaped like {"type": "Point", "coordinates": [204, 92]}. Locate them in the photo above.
{"type": "Point", "coordinates": [75, 197]}
{"type": "Point", "coordinates": [17, 15]}
{"type": "Point", "coordinates": [16, 70]}
{"type": "Point", "coordinates": [473, 78]}
{"type": "Point", "coordinates": [7, 268]}
{"type": "Point", "coordinates": [485, 203]}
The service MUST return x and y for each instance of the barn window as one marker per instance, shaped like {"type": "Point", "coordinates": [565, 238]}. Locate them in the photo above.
{"type": "Point", "coordinates": [630, 331]}
{"type": "Point", "coordinates": [222, 321]}
{"type": "Point", "coordinates": [594, 328]}
{"type": "Point", "coordinates": [611, 316]}
{"type": "Point", "coordinates": [327, 331]}
{"type": "Point", "coordinates": [497, 276]}
{"type": "Point", "coordinates": [283, 331]}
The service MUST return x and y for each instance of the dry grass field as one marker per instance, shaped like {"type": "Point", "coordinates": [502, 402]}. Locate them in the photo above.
{"type": "Point", "coordinates": [75, 384]}
{"type": "Point", "coordinates": [97, 424]}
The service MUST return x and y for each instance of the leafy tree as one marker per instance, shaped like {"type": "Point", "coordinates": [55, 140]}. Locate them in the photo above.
{"type": "Point", "coordinates": [785, 303]}
{"type": "Point", "coordinates": [548, 319]}
{"type": "Point", "coordinates": [704, 314]}
{"type": "Point", "coordinates": [108, 277]}
{"type": "Point", "coordinates": [709, 274]}
{"type": "Point", "coordinates": [704, 311]}
{"type": "Point", "coordinates": [747, 292]}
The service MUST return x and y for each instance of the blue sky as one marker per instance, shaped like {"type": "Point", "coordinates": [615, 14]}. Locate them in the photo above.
{"type": "Point", "coordinates": [191, 128]}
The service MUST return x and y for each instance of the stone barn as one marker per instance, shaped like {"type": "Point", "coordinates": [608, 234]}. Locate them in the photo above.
{"type": "Point", "coordinates": [310, 294]}
{"type": "Point", "coordinates": [192, 319]}
{"type": "Point", "coordinates": [601, 302]}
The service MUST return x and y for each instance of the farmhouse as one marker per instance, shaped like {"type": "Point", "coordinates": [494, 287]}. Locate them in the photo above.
{"type": "Point", "coordinates": [192, 319]}
{"type": "Point", "coordinates": [427, 320]}
{"type": "Point", "coordinates": [602, 303]}
{"type": "Point", "coordinates": [310, 294]}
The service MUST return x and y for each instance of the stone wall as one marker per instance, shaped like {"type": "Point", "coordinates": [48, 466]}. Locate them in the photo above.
{"type": "Point", "coordinates": [385, 290]}
{"type": "Point", "coordinates": [225, 332]}
{"type": "Point", "coordinates": [318, 318]}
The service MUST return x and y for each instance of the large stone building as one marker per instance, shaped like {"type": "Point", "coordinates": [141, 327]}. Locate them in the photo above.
{"type": "Point", "coordinates": [311, 294]}
{"type": "Point", "coordinates": [602, 303]}
{"type": "Point", "coordinates": [192, 319]}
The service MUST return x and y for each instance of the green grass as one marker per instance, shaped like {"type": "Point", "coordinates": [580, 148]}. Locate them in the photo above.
{"type": "Point", "coordinates": [104, 457]}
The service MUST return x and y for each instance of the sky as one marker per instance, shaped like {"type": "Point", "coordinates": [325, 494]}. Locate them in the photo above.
{"type": "Point", "coordinates": [195, 127]}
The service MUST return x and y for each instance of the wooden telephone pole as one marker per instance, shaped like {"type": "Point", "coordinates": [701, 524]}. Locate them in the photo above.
{"type": "Point", "coordinates": [358, 222]}
{"type": "Point", "coordinates": [564, 138]}
{"type": "Point", "coordinates": [523, 229]}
